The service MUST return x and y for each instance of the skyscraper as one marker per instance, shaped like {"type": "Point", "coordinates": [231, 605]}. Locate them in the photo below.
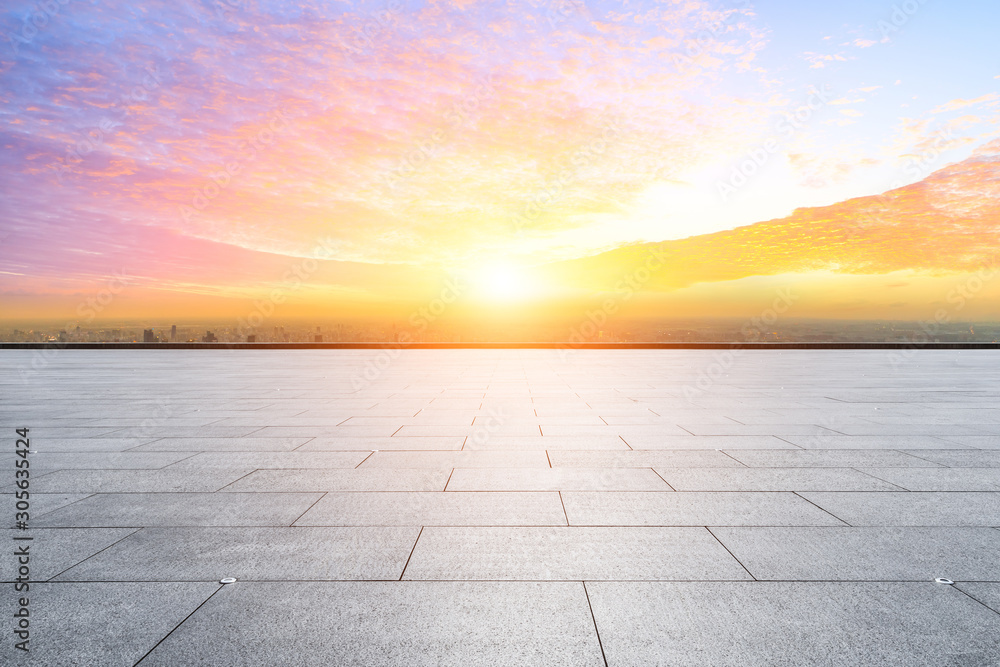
{"type": "Point", "coordinates": [173, 332]}
{"type": "Point", "coordinates": [148, 336]}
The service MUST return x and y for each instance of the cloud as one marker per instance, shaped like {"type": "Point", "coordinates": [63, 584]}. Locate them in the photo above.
{"type": "Point", "coordinates": [957, 104]}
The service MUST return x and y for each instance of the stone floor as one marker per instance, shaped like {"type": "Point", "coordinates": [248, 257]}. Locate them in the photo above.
{"type": "Point", "coordinates": [506, 507]}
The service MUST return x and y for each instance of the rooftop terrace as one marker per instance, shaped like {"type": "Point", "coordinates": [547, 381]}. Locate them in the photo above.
{"type": "Point", "coordinates": [505, 507]}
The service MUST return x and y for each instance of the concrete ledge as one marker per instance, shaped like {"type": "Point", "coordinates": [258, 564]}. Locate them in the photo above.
{"type": "Point", "coordinates": [933, 345]}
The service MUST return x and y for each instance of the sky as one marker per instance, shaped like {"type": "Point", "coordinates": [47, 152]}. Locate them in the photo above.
{"type": "Point", "coordinates": [357, 155]}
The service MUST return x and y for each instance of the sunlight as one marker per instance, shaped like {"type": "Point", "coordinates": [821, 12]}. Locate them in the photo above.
{"type": "Point", "coordinates": [503, 282]}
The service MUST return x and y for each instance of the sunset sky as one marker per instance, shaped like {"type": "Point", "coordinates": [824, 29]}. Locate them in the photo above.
{"type": "Point", "coordinates": [354, 156]}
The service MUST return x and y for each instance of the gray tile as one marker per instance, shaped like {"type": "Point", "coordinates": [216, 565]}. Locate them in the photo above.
{"type": "Point", "coordinates": [208, 554]}
{"type": "Point", "coordinates": [182, 509]}
{"type": "Point", "coordinates": [976, 441]}
{"type": "Point", "coordinates": [943, 430]}
{"type": "Point", "coordinates": [471, 459]}
{"type": "Point", "coordinates": [830, 458]}
{"type": "Point", "coordinates": [708, 442]}
{"type": "Point", "coordinates": [556, 479]}
{"type": "Point", "coordinates": [548, 442]}
{"type": "Point", "coordinates": [960, 458]}
{"type": "Point", "coordinates": [168, 430]}
{"type": "Point", "coordinates": [74, 445]}
{"type": "Point", "coordinates": [939, 479]}
{"type": "Point", "coordinates": [311, 479]}
{"type": "Point", "coordinates": [375, 624]}
{"type": "Point", "coordinates": [871, 442]}
{"type": "Point", "coordinates": [772, 479]}
{"type": "Point", "coordinates": [384, 443]}
{"type": "Point", "coordinates": [641, 508]}
{"type": "Point", "coordinates": [641, 459]}
{"type": "Point", "coordinates": [137, 481]}
{"type": "Point", "coordinates": [911, 509]}
{"type": "Point", "coordinates": [571, 553]}
{"type": "Point", "coordinates": [103, 460]}
{"type": "Point", "coordinates": [756, 429]}
{"type": "Point", "coordinates": [271, 460]}
{"type": "Point", "coordinates": [866, 554]}
{"type": "Point", "coordinates": [436, 509]}
{"type": "Point", "coordinates": [53, 550]}
{"type": "Point", "coordinates": [770, 623]}
{"type": "Point", "coordinates": [986, 593]}
{"type": "Point", "coordinates": [99, 623]}
{"type": "Point", "coordinates": [253, 444]}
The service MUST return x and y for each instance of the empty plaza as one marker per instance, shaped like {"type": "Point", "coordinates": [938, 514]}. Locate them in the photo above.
{"type": "Point", "coordinates": [505, 507]}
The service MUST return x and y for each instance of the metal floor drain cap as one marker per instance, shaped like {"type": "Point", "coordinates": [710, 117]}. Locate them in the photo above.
{"type": "Point", "coordinates": [942, 580]}
{"type": "Point", "coordinates": [227, 580]}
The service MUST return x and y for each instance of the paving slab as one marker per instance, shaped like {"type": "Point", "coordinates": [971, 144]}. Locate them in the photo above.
{"type": "Point", "coordinates": [866, 554]}
{"type": "Point", "coordinates": [547, 443]}
{"type": "Point", "coordinates": [830, 458]}
{"type": "Point", "coordinates": [643, 459]}
{"type": "Point", "coordinates": [641, 508]}
{"type": "Point", "coordinates": [773, 479]}
{"type": "Point", "coordinates": [52, 550]}
{"type": "Point", "coordinates": [938, 479]}
{"type": "Point", "coordinates": [873, 442]}
{"type": "Point", "coordinates": [137, 481]}
{"type": "Point", "coordinates": [289, 554]}
{"type": "Point", "coordinates": [107, 624]}
{"type": "Point", "coordinates": [271, 460]}
{"type": "Point", "coordinates": [322, 444]}
{"type": "Point", "coordinates": [556, 479]}
{"type": "Point", "coordinates": [436, 509]}
{"type": "Point", "coordinates": [911, 509]}
{"type": "Point", "coordinates": [376, 624]}
{"type": "Point", "coordinates": [986, 593]}
{"type": "Point", "coordinates": [181, 509]}
{"type": "Point", "coordinates": [960, 458]}
{"type": "Point", "coordinates": [571, 553]}
{"type": "Point", "coordinates": [463, 459]}
{"type": "Point", "coordinates": [197, 444]}
{"type": "Point", "coordinates": [707, 442]}
{"type": "Point", "coordinates": [311, 479]}
{"type": "Point", "coordinates": [771, 623]}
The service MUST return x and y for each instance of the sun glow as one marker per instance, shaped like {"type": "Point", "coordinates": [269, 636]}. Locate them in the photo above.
{"type": "Point", "coordinates": [503, 282]}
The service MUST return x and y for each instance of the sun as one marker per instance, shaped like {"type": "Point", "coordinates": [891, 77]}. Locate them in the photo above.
{"type": "Point", "coordinates": [503, 282]}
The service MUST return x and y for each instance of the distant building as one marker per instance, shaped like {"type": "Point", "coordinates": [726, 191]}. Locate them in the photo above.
{"type": "Point", "coordinates": [319, 338]}
{"type": "Point", "coordinates": [209, 338]}
{"type": "Point", "coordinates": [251, 338]}
{"type": "Point", "coordinates": [148, 336]}
{"type": "Point", "coordinates": [173, 332]}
